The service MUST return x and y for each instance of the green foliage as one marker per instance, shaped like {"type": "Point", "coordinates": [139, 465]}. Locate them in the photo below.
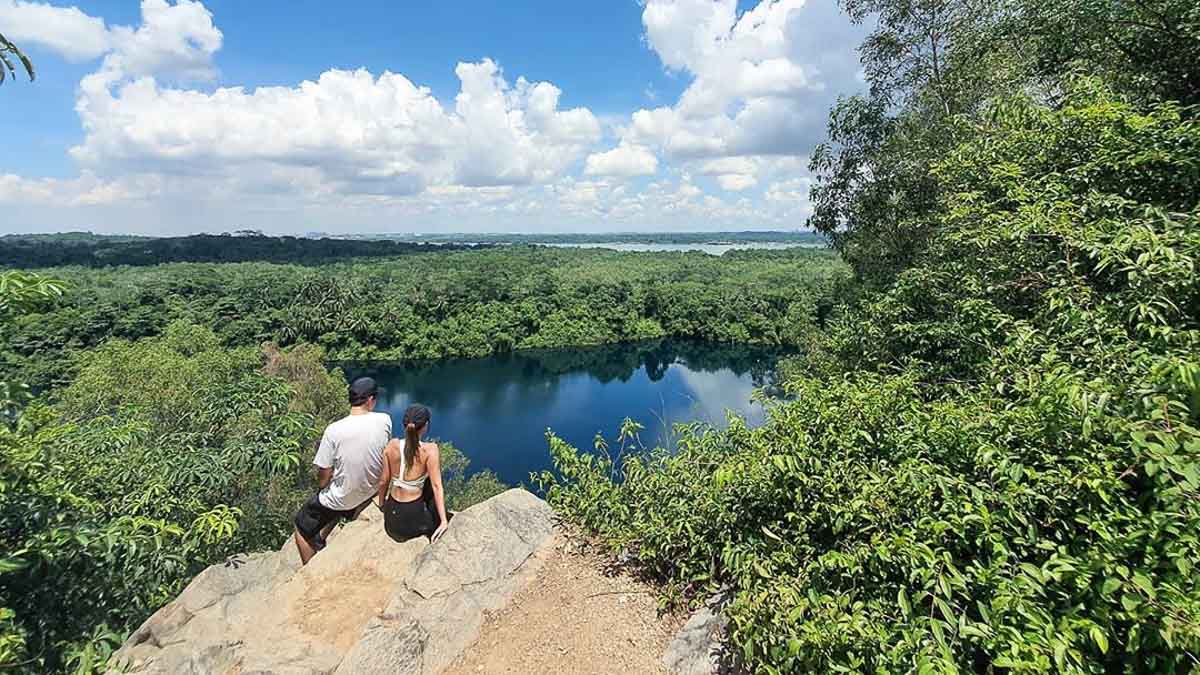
{"type": "Point", "coordinates": [934, 68]}
{"type": "Point", "coordinates": [926, 63]}
{"type": "Point", "coordinates": [464, 489]}
{"type": "Point", "coordinates": [22, 292]}
{"type": "Point", "coordinates": [426, 306]}
{"type": "Point", "coordinates": [164, 456]}
{"type": "Point", "coordinates": [12, 637]}
{"type": "Point", "coordinates": [993, 462]}
{"type": "Point", "coordinates": [175, 437]}
{"type": "Point", "coordinates": [8, 52]}
{"type": "Point", "coordinates": [1149, 48]}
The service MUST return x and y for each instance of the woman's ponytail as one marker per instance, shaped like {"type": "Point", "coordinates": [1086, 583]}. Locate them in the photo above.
{"type": "Point", "coordinates": [416, 418]}
{"type": "Point", "coordinates": [412, 442]}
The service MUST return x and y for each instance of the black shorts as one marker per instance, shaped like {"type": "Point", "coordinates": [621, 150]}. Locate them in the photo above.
{"type": "Point", "coordinates": [407, 520]}
{"type": "Point", "coordinates": [314, 516]}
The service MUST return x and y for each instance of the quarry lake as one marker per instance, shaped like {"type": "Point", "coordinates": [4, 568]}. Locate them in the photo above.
{"type": "Point", "coordinates": [497, 409]}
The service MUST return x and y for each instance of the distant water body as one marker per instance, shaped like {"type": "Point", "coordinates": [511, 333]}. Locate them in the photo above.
{"type": "Point", "coordinates": [711, 249]}
{"type": "Point", "coordinates": [497, 409]}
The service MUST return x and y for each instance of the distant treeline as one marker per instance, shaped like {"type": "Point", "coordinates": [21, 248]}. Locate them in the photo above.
{"type": "Point", "coordinates": [88, 250]}
{"type": "Point", "coordinates": [793, 237]}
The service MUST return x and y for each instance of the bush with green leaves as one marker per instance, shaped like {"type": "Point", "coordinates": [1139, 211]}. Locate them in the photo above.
{"type": "Point", "coordinates": [993, 463]}
{"type": "Point", "coordinates": [163, 456]}
{"type": "Point", "coordinates": [463, 488]}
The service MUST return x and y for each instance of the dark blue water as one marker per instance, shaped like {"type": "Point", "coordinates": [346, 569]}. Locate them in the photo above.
{"type": "Point", "coordinates": [496, 410]}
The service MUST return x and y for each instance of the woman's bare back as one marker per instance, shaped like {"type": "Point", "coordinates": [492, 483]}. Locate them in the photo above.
{"type": "Point", "coordinates": [412, 472]}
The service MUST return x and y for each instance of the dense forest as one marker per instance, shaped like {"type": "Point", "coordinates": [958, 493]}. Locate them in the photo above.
{"type": "Point", "coordinates": [81, 248]}
{"type": "Point", "coordinates": [421, 306]}
{"type": "Point", "coordinates": [160, 418]}
{"type": "Point", "coordinates": [992, 459]}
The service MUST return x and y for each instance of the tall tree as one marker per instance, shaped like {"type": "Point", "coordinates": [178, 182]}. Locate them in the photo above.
{"type": "Point", "coordinates": [933, 66]}
{"type": "Point", "coordinates": [925, 62]}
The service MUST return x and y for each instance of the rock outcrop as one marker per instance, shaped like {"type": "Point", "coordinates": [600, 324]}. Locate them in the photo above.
{"type": "Point", "coordinates": [697, 647]}
{"type": "Point", "coordinates": [363, 605]}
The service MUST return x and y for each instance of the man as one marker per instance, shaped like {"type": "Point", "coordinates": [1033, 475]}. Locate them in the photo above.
{"type": "Point", "coordinates": [349, 461]}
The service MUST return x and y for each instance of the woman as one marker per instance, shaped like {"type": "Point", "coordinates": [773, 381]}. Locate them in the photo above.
{"type": "Point", "coordinates": [407, 467]}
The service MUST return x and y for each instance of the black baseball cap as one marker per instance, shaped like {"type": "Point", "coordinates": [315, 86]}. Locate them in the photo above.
{"type": "Point", "coordinates": [362, 389]}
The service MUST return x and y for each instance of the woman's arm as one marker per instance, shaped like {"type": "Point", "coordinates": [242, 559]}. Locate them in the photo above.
{"type": "Point", "coordinates": [433, 465]}
{"type": "Point", "coordinates": [385, 476]}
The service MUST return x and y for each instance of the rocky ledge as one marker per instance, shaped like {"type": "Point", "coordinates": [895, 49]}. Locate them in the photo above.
{"type": "Point", "coordinates": [363, 605]}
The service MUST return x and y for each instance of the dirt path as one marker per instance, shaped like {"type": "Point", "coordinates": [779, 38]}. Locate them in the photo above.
{"type": "Point", "coordinates": [573, 619]}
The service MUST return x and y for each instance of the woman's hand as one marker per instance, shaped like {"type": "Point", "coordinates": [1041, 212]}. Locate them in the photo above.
{"type": "Point", "coordinates": [438, 533]}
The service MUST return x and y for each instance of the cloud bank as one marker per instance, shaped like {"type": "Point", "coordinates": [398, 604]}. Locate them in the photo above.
{"type": "Point", "coordinates": [352, 148]}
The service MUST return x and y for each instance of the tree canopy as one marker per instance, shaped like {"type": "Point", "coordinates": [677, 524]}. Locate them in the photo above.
{"type": "Point", "coordinates": [990, 461]}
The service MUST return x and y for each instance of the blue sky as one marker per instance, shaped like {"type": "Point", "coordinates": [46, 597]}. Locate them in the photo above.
{"type": "Point", "coordinates": [173, 116]}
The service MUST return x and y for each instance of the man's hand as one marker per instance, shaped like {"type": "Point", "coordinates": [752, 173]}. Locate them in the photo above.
{"type": "Point", "coordinates": [438, 533]}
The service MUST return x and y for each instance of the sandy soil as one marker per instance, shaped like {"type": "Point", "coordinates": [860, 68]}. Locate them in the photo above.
{"type": "Point", "coordinates": [573, 618]}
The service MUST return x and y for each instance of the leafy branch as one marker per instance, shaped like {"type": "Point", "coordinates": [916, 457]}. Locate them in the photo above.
{"type": "Point", "coordinates": [8, 51]}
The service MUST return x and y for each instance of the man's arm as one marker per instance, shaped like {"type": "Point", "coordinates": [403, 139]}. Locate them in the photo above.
{"type": "Point", "coordinates": [324, 461]}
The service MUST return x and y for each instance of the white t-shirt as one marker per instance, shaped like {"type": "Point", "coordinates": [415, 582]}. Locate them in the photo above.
{"type": "Point", "coordinates": [353, 446]}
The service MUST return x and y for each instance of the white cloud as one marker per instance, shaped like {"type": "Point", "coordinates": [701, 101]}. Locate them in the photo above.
{"type": "Point", "coordinates": [176, 40]}
{"type": "Point", "coordinates": [161, 144]}
{"type": "Point", "coordinates": [762, 81]}
{"type": "Point", "coordinates": [736, 181]}
{"type": "Point", "coordinates": [65, 30]}
{"type": "Point", "coordinates": [623, 160]}
{"type": "Point", "coordinates": [743, 165]}
{"type": "Point", "coordinates": [794, 190]}
{"type": "Point", "coordinates": [87, 190]}
{"type": "Point", "coordinates": [348, 130]}
{"type": "Point", "coordinates": [684, 32]}
{"type": "Point", "coordinates": [733, 174]}
{"type": "Point", "coordinates": [371, 134]}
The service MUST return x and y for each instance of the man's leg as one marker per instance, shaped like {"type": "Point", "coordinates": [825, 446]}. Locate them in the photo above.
{"type": "Point", "coordinates": [323, 536]}
{"type": "Point", "coordinates": [342, 516]}
{"type": "Point", "coordinates": [310, 520]}
{"type": "Point", "coordinates": [306, 549]}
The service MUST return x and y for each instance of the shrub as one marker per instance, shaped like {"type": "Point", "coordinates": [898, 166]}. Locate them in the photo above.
{"type": "Point", "coordinates": [995, 464]}
{"type": "Point", "coordinates": [164, 456]}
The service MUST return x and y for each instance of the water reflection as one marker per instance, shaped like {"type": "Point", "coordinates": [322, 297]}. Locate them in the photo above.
{"type": "Point", "coordinates": [497, 409]}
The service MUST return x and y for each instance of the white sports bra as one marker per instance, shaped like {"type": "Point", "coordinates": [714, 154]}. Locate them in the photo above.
{"type": "Point", "coordinates": [417, 483]}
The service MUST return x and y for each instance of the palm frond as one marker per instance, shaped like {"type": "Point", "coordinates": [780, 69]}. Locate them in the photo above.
{"type": "Point", "coordinates": [6, 67]}
{"type": "Point", "coordinates": [6, 48]}
{"type": "Point", "coordinates": [28, 65]}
